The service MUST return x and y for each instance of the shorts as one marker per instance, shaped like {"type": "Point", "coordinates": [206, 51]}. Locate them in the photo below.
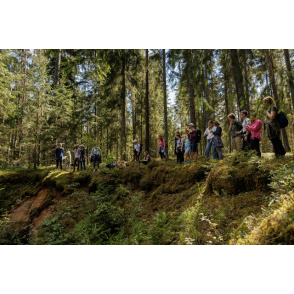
{"type": "Point", "coordinates": [188, 149]}
{"type": "Point", "coordinates": [136, 153]}
{"type": "Point", "coordinates": [194, 146]}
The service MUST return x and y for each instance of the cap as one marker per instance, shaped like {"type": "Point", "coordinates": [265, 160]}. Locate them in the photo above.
{"type": "Point", "coordinates": [135, 141]}
{"type": "Point", "coordinates": [191, 124]}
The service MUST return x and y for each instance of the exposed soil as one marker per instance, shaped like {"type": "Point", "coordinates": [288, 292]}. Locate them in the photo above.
{"type": "Point", "coordinates": [21, 214]}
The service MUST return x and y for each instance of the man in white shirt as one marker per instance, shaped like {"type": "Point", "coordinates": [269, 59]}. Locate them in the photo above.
{"type": "Point", "coordinates": [209, 133]}
{"type": "Point", "coordinates": [76, 157]}
{"type": "Point", "coordinates": [246, 136]}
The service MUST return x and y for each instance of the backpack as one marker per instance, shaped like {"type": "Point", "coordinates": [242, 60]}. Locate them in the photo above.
{"type": "Point", "coordinates": [166, 146]}
{"type": "Point", "coordinates": [281, 118]}
{"type": "Point", "coordinates": [198, 138]}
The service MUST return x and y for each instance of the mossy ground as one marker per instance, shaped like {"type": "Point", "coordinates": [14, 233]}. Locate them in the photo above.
{"type": "Point", "coordinates": [216, 202]}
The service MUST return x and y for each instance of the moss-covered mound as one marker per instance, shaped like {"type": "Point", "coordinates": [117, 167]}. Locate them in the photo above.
{"type": "Point", "coordinates": [216, 202]}
{"type": "Point", "coordinates": [275, 229]}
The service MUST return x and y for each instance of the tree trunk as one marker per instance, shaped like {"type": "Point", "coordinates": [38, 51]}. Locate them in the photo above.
{"type": "Point", "coordinates": [289, 73]}
{"type": "Point", "coordinates": [165, 102]}
{"type": "Point", "coordinates": [275, 92]}
{"type": "Point", "coordinates": [226, 79]}
{"type": "Point", "coordinates": [57, 68]}
{"type": "Point", "coordinates": [147, 110]}
{"type": "Point", "coordinates": [238, 80]}
{"type": "Point", "coordinates": [123, 110]}
{"type": "Point", "coordinates": [206, 86]}
{"type": "Point", "coordinates": [191, 92]}
{"type": "Point", "coordinates": [246, 78]}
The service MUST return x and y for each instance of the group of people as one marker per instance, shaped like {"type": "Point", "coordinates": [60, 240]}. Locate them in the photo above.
{"type": "Point", "coordinates": [245, 135]}
{"type": "Point", "coordinates": [80, 154]}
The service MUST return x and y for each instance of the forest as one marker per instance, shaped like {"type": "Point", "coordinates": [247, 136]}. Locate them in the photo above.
{"type": "Point", "coordinates": [111, 97]}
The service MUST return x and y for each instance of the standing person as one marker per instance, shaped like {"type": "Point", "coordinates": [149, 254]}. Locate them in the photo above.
{"type": "Point", "coordinates": [255, 130]}
{"type": "Point", "coordinates": [235, 128]}
{"type": "Point", "coordinates": [67, 161]}
{"type": "Point", "coordinates": [83, 154]}
{"type": "Point", "coordinates": [272, 127]}
{"type": "Point", "coordinates": [246, 135]}
{"type": "Point", "coordinates": [161, 150]}
{"type": "Point", "coordinates": [175, 149]}
{"type": "Point", "coordinates": [179, 149]}
{"type": "Point", "coordinates": [193, 139]}
{"type": "Point", "coordinates": [137, 150]}
{"type": "Point", "coordinates": [218, 143]}
{"type": "Point", "coordinates": [186, 147]}
{"type": "Point", "coordinates": [209, 133]}
{"type": "Point", "coordinates": [59, 155]}
{"type": "Point", "coordinates": [77, 157]}
{"type": "Point", "coordinates": [147, 158]}
{"type": "Point", "coordinates": [95, 152]}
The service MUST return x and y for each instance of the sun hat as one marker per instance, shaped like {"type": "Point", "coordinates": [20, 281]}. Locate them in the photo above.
{"type": "Point", "coordinates": [135, 141]}
{"type": "Point", "coordinates": [68, 151]}
{"type": "Point", "coordinates": [82, 145]}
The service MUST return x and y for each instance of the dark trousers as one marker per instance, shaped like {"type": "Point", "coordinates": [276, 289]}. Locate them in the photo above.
{"type": "Point", "coordinates": [247, 144]}
{"type": "Point", "coordinates": [59, 161]}
{"type": "Point", "coordinates": [278, 146]}
{"type": "Point", "coordinates": [96, 159]}
{"type": "Point", "coordinates": [76, 162]}
{"type": "Point", "coordinates": [145, 162]}
{"type": "Point", "coordinates": [254, 145]}
{"type": "Point", "coordinates": [83, 162]}
{"type": "Point", "coordinates": [179, 156]}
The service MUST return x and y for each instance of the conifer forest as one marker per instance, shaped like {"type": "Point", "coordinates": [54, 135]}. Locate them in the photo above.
{"type": "Point", "coordinates": [147, 146]}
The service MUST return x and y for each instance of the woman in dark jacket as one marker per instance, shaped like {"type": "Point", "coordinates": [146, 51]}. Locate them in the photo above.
{"type": "Point", "coordinates": [272, 127]}
{"type": "Point", "coordinates": [59, 155]}
{"type": "Point", "coordinates": [217, 137]}
{"type": "Point", "coordinates": [175, 149]}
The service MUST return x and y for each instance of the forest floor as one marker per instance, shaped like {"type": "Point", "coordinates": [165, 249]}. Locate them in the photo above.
{"type": "Point", "coordinates": [238, 200]}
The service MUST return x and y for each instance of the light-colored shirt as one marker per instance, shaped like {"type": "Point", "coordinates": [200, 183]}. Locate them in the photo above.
{"type": "Point", "coordinates": [136, 147]}
{"type": "Point", "coordinates": [179, 143]}
{"type": "Point", "coordinates": [68, 159]}
{"type": "Point", "coordinates": [187, 142]}
{"type": "Point", "coordinates": [95, 151]}
{"type": "Point", "coordinates": [245, 122]}
{"type": "Point", "coordinates": [208, 132]}
{"type": "Point", "coordinates": [77, 153]}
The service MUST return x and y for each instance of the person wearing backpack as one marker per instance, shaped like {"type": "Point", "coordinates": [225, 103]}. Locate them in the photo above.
{"type": "Point", "coordinates": [246, 135]}
{"type": "Point", "coordinates": [209, 133]}
{"type": "Point", "coordinates": [193, 140]}
{"type": "Point", "coordinates": [137, 150]}
{"type": "Point", "coordinates": [175, 149]}
{"type": "Point", "coordinates": [83, 154]}
{"type": "Point", "coordinates": [95, 154]}
{"type": "Point", "coordinates": [179, 149]}
{"type": "Point", "coordinates": [76, 158]}
{"type": "Point", "coordinates": [255, 130]}
{"type": "Point", "coordinates": [59, 155]}
{"type": "Point", "coordinates": [161, 150]}
{"type": "Point", "coordinates": [235, 128]}
{"type": "Point", "coordinates": [186, 147]}
{"type": "Point", "coordinates": [217, 140]}
{"type": "Point", "coordinates": [272, 126]}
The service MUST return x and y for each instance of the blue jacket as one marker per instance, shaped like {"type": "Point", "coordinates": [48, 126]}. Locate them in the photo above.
{"type": "Point", "coordinates": [59, 153]}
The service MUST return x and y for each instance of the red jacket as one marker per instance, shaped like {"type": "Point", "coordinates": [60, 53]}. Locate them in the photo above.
{"type": "Point", "coordinates": [192, 135]}
{"type": "Point", "coordinates": [255, 129]}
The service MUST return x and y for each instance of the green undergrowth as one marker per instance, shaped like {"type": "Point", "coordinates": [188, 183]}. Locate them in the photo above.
{"type": "Point", "coordinates": [233, 201]}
